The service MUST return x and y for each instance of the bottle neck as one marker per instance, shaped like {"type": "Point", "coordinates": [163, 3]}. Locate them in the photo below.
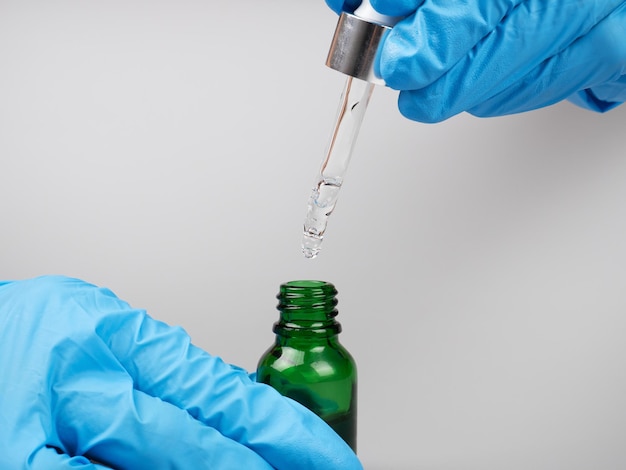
{"type": "Point", "coordinates": [307, 310]}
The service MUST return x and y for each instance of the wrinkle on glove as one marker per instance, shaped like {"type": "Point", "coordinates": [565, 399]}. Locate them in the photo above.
{"type": "Point", "coordinates": [85, 377]}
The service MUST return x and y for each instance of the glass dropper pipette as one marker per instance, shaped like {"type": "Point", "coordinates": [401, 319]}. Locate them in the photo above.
{"type": "Point", "coordinates": [352, 52]}
{"type": "Point", "coordinates": [352, 106]}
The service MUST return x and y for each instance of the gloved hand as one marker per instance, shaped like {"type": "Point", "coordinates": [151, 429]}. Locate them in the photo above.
{"type": "Point", "coordinates": [496, 57]}
{"type": "Point", "coordinates": [85, 376]}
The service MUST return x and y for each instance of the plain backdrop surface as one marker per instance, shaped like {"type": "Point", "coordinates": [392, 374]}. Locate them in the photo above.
{"type": "Point", "coordinates": [166, 150]}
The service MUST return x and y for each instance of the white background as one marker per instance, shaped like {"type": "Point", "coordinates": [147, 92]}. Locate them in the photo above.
{"type": "Point", "coordinates": [167, 149]}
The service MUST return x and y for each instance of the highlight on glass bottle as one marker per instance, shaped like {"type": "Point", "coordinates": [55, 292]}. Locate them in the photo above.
{"type": "Point", "coordinates": [307, 362]}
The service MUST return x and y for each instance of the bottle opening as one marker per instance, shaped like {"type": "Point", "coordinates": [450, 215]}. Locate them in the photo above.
{"type": "Point", "coordinates": [306, 284]}
{"type": "Point", "coordinates": [310, 303]}
{"type": "Point", "coordinates": [294, 292]}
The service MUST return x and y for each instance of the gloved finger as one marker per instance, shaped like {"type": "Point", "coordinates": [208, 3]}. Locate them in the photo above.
{"type": "Point", "coordinates": [531, 34]}
{"type": "Point", "coordinates": [396, 7]}
{"type": "Point", "coordinates": [163, 363]}
{"type": "Point", "coordinates": [343, 5]}
{"type": "Point", "coordinates": [109, 421]}
{"type": "Point", "coordinates": [442, 38]}
{"type": "Point", "coordinates": [559, 77]}
{"type": "Point", "coordinates": [425, 45]}
{"type": "Point", "coordinates": [47, 458]}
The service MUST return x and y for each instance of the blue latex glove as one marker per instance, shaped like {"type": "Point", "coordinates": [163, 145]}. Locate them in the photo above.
{"type": "Point", "coordinates": [84, 375]}
{"type": "Point", "coordinates": [496, 57]}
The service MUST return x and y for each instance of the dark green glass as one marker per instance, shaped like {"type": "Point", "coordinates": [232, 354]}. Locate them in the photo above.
{"type": "Point", "coordinates": [307, 362]}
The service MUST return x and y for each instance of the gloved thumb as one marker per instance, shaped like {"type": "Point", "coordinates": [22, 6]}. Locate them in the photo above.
{"type": "Point", "coordinates": [143, 432]}
{"type": "Point", "coordinates": [99, 413]}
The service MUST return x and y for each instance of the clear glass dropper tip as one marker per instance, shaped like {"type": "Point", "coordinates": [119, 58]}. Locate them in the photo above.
{"type": "Point", "coordinates": [311, 245]}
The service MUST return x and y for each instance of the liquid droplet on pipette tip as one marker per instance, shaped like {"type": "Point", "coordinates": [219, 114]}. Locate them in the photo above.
{"type": "Point", "coordinates": [321, 204]}
{"type": "Point", "coordinates": [311, 245]}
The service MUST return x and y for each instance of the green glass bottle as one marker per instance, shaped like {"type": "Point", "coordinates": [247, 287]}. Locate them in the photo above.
{"type": "Point", "coordinates": [307, 362]}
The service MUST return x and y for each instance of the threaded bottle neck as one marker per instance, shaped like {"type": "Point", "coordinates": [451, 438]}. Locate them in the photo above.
{"type": "Point", "coordinates": [307, 308]}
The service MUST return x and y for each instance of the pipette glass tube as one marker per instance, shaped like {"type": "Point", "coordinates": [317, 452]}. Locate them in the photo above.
{"type": "Point", "coordinates": [352, 106]}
